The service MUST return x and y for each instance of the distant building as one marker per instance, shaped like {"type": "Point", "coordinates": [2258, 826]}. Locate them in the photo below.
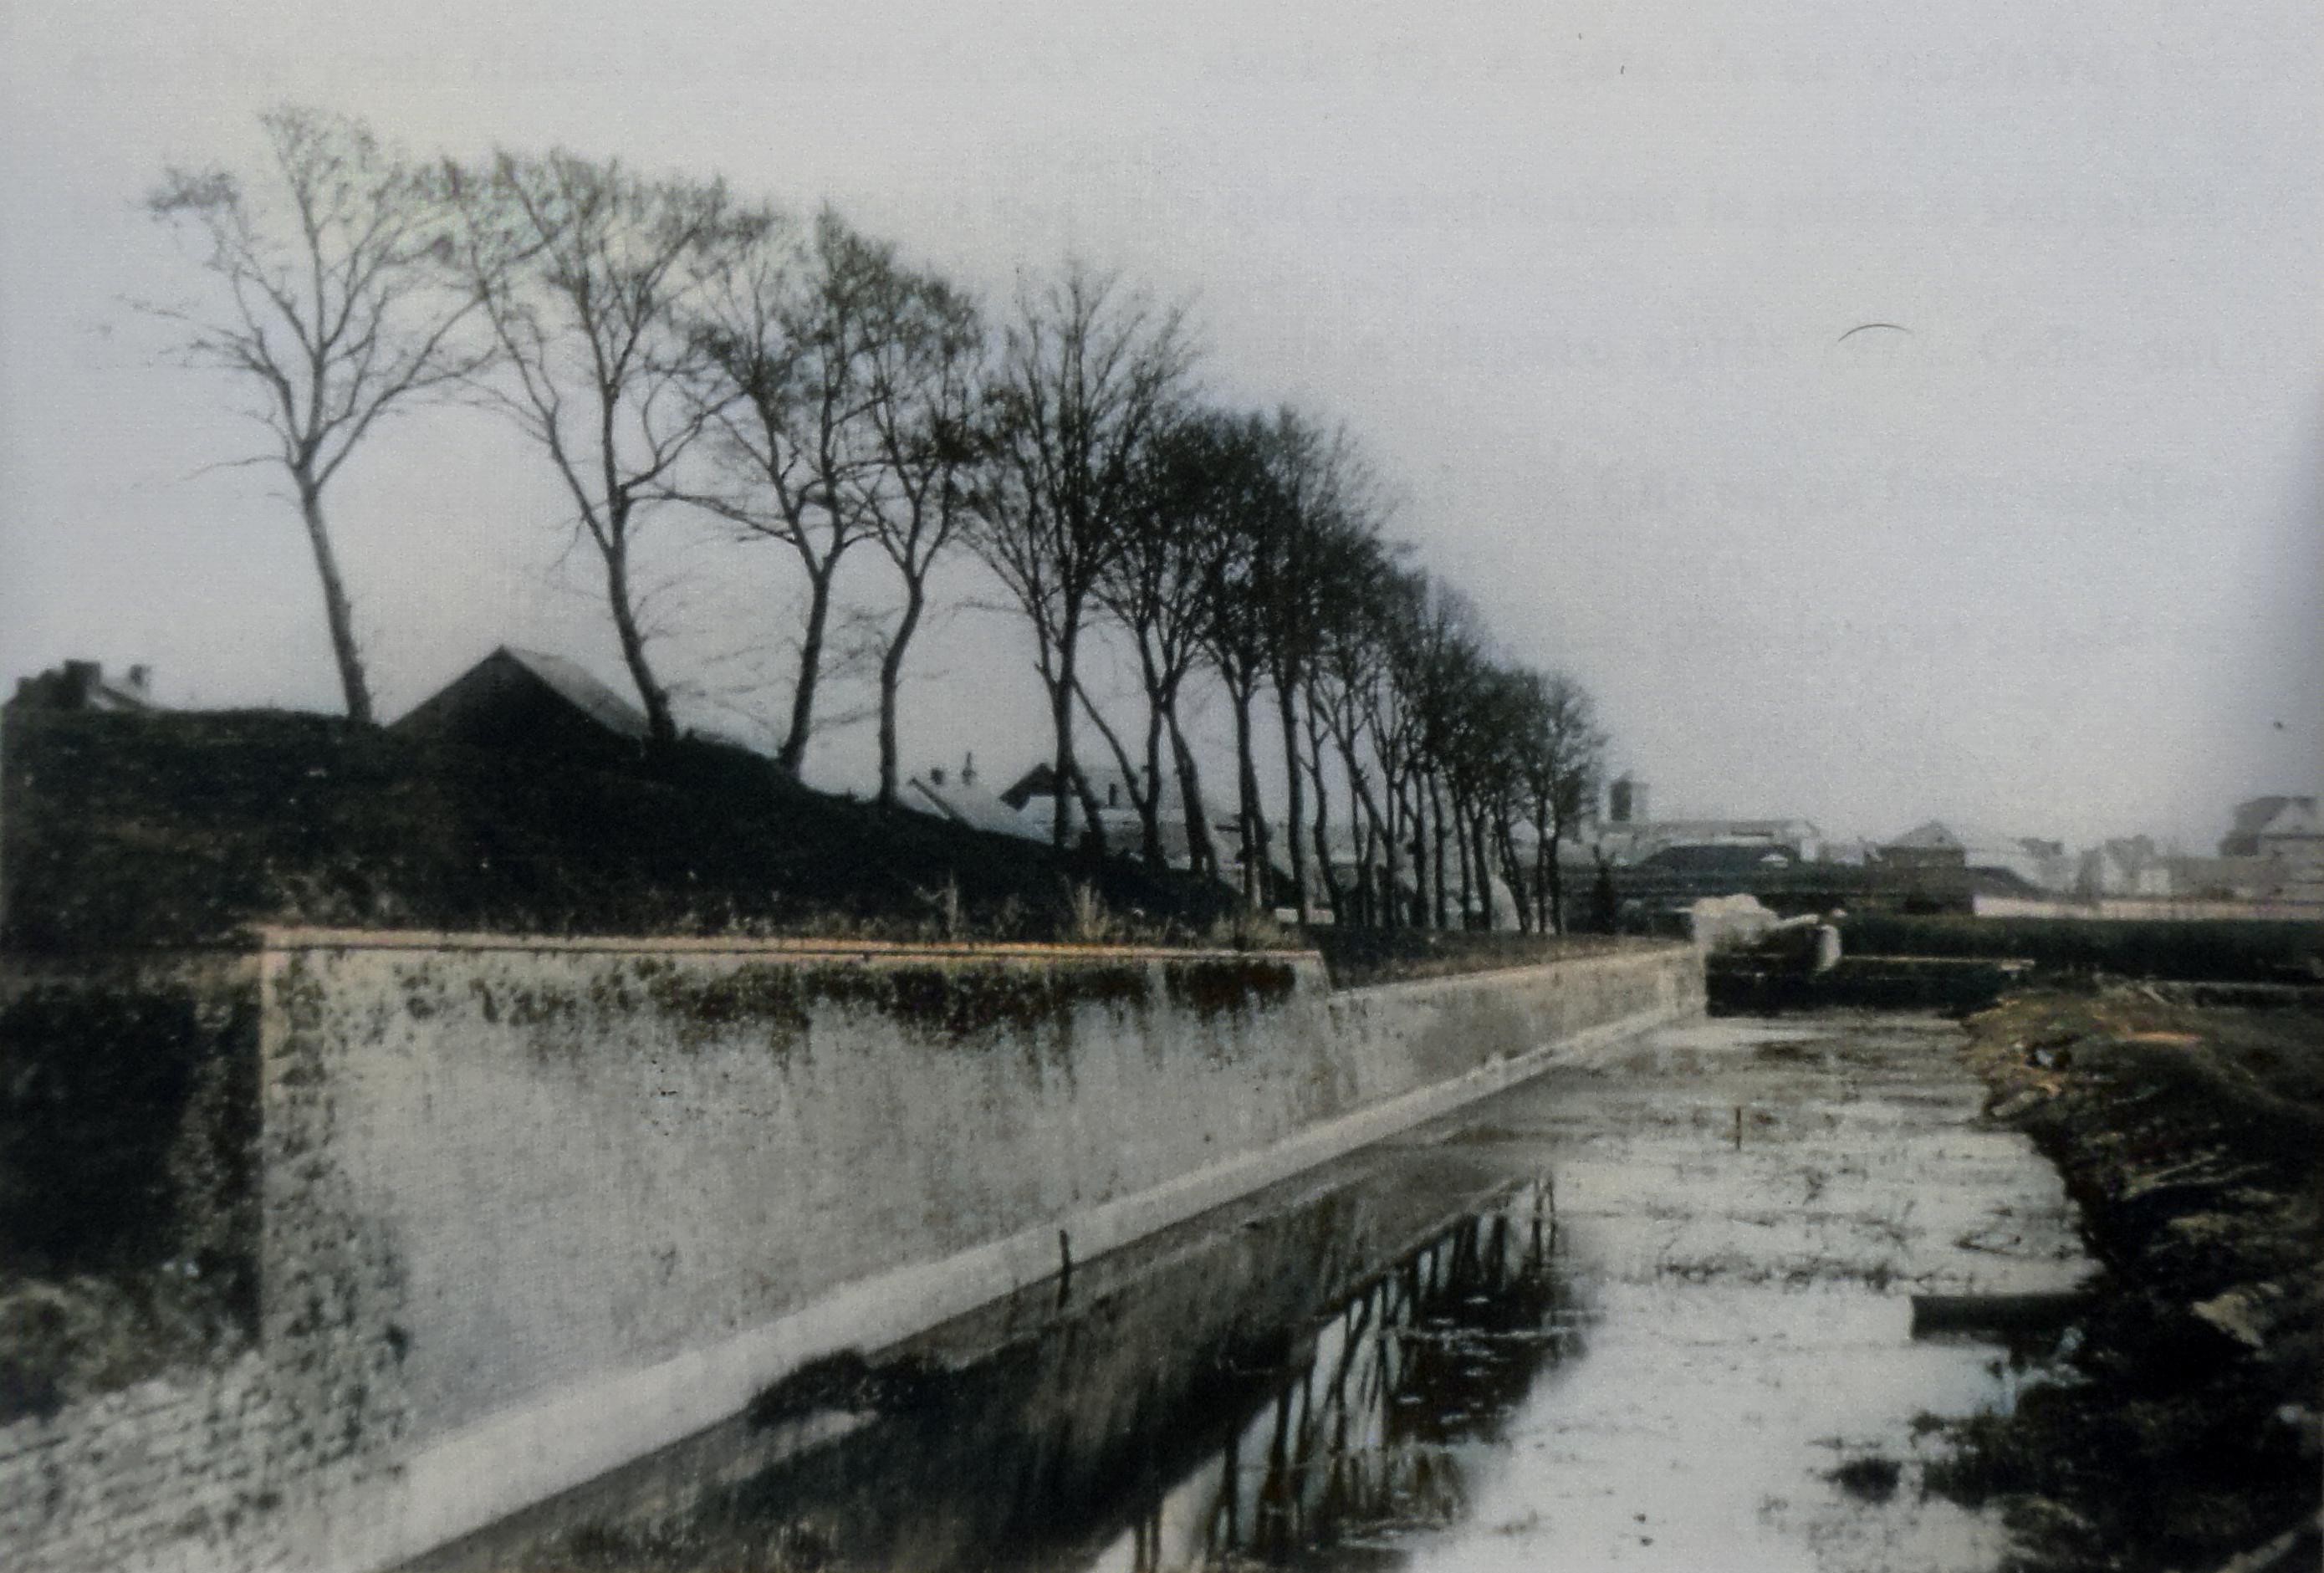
{"type": "Point", "coordinates": [1033, 795]}
{"type": "Point", "coordinates": [2263, 816]}
{"type": "Point", "coordinates": [964, 801]}
{"type": "Point", "coordinates": [1847, 854]}
{"type": "Point", "coordinates": [2024, 862]}
{"type": "Point", "coordinates": [2218, 879]}
{"type": "Point", "coordinates": [2283, 838]}
{"type": "Point", "coordinates": [1636, 841]}
{"type": "Point", "coordinates": [84, 685]}
{"type": "Point", "coordinates": [2125, 866]}
{"type": "Point", "coordinates": [1742, 863]}
{"type": "Point", "coordinates": [526, 701]}
{"type": "Point", "coordinates": [2049, 864]}
{"type": "Point", "coordinates": [1626, 800]}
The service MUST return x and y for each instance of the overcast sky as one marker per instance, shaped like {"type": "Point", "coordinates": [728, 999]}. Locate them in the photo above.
{"type": "Point", "coordinates": [1578, 273]}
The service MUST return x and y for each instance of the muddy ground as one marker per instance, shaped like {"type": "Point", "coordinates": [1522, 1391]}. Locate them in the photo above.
{"type": "Point", "coordinates": [2181, 1427]}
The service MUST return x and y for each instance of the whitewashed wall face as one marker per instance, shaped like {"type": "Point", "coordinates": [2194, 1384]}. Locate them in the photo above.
{"type": "Point", "coordinates": [532, 1209]}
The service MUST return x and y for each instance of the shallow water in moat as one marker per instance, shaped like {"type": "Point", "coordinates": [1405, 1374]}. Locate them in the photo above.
{"type": "Point", "coordinates": [1642, 1311]}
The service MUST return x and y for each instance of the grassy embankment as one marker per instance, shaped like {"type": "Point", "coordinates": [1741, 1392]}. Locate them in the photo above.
{"type": "Point", "coordinates": [128, 832]}
{"type": "Point", "coordinates": [2183, 1429]}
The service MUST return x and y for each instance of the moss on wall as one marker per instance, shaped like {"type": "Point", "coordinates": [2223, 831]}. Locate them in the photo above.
{"type": "Point", "coordinates": [1216, 987]}
{"type": "Point", "coordinates": [126, 1118]}
{"type": "Point", "coordinates": [128, 1184]}
{"type": "Point", "coordinates": [947, 1001]}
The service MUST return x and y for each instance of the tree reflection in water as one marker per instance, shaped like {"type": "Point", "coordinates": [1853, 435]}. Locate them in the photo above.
{"type": "Point", "coordinates": [1312, 1384]}
{"type": "Point", "coordinates": [1363, 1441]}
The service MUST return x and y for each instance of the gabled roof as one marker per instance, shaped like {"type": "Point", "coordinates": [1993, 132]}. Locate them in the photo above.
{"type": "Point", "coordinates": [1977, 843]}
{"type": "Point", "coordinates": [968, 804]}
{"type": "Point", "coordinates": [1706, 831]}
{"type": "Point", "coordinates": [576, 687]}
{"type": "Point", "coordinates": [2296, 817]}
{"type": "Point", "coordinates": [1106, 782]}
{"type": "Point", "coordinates": [2267, 816]}
{"type": "Point", "coordinates": [512, 694]}
{"type": "Point", "coordinates": [1720, 858]}
{"type": "Point", "coordinates": [1124, 828]}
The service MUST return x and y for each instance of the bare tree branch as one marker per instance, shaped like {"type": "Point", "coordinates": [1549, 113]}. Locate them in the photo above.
{"type": "Point", "coordinates": [328, 297]}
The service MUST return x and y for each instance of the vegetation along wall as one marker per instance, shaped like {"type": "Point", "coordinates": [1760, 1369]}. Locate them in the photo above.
{"type": "Point", "coordinates": [529, 1210]}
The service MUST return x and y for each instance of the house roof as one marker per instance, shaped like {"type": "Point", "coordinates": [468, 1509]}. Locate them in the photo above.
{"type": "Point", "coordinates": [1110, 786]}
{"type": "Point", "coordinates": [86, 685]}
{"type": "Point", "coordinates": [1981, 845]}
{"type": "Point", "coordinates": [1722, 858]}
{"type": "Point", "coordinates": [2297, 816]}
{"type": "Point", "coordinates": [1698, 832]}
{"type": "Point", "coordinates": [2267, 816]}
{"type": "Point", "coordinates": [968, 804]}
{"type": "Point", "coordinates": [1124, 829]}
{"type": "Point", "coordinates": [577, 687]}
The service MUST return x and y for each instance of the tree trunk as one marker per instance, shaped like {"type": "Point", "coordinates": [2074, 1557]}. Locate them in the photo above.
{"type": "Point", "coordinates": [1556, 881]}
{"type": "Point", "coordinates": [1062, 768]}
{"type": "Point", "coordinates": [335, 610]}
{"type": "Point", "coordinates": [1143, 799]}
{"type": "Point", "coordinates": [1484, 870]}
{"type": "Point", "coordinates": [1541, 857]}
{"type": "Point", "coordinates": [1295, 808]}
{"type": "Point", "coordinates": [1248, 818]}
{"type": "Point", "coordinates": [1200, 846]}
{"type": "Point", "coordinates": [891, 679]}
{"type": "Point", "coordinates": [792, 756]}
{"type": "Point", "coordinates": [1411, 822]}
{"type": "Point", "coordinates": [1324, 874]}
{"type": "Point", "coordinates": [1505, 845]}
{"type": "Point", "coordinates": [1391, 859]}
{"type": "Point", "coordinates": [1470, 874]}
{"type": "Point", "coordinates": [1149, 801]}
{"type": "Point", "coordinates": [660, 729]}
{"type": "Point", "coordinates": [1437, 846]}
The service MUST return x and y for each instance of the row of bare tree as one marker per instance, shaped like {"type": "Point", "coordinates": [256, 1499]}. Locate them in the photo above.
{"type": "Point", "coordinates": [670, 349]}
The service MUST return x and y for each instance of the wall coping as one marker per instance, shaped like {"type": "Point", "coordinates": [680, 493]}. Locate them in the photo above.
{"type": "Point", "coordinates": [1645, 950]}
{"type": "Point", "coordinates": [289, 938]}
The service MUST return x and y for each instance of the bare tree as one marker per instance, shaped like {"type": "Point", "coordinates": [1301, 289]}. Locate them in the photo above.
{"type": "Point", "coordinates": [1239, 625]}
{"type": "Point", "coordinates": [1432, 648]}
{"type": "Point", "coordinates": [1090, 375]}
{"type": "Point", "coordinates": [1329, 504]}
{"type": "Point", "coordinates": [1564, 754]}
{"type": "Point", "coordinates": [1193, 491]}
{"type": "Point", "coordinates": [1388, 705]}
{"type": "Point", "coordinates": [1344, 678]}
{"type": "Point", "coordinates": [330, 308]}
{"type": "Point", "coordinates": [589, 276]}
{"type": "Point", "coordinates": [926, 387]}
{"type": "Point", "coordinates": [791, 334]}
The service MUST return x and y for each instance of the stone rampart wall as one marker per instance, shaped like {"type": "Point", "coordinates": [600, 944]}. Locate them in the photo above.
{"type": "Point", "coordinates": [532, 1208]}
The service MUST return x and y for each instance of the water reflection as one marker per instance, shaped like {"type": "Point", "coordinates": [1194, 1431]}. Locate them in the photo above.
{"type": "Point", "coordinates": [1267, 1389]}
{"type": "Point", "coordinates": [1372, 1434]}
